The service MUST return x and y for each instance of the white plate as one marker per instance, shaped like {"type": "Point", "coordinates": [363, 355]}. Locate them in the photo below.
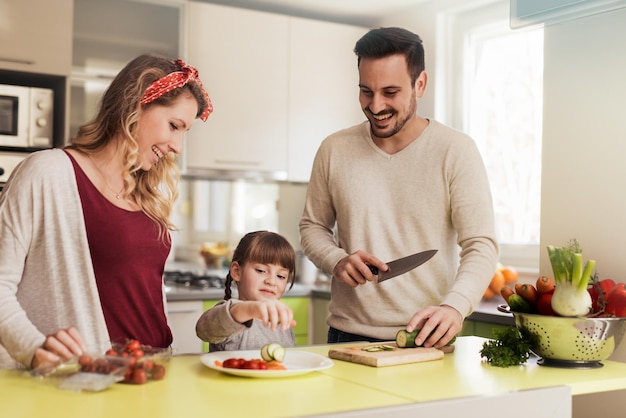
{"type": "Point", "coordinates": [296, 362]}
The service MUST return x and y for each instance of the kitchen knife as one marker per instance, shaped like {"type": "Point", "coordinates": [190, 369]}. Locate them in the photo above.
{"type": "Point", "coordinates": [402, 265]}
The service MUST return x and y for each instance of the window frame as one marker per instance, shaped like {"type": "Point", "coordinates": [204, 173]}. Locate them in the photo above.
{"type": "Point", "coordinates": [450, 79]}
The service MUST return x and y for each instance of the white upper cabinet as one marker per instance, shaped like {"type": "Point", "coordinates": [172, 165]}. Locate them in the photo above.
{"type": "Point", "coordinates": [279, 85]}
{"type": "Point", "coordinates": [323, 88]}
{"type": "Point", "coordinates": [242, 59]}
{"type": "Point", "coordinates": [36, 36]}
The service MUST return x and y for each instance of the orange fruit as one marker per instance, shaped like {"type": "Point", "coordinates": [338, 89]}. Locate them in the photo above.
{"type": "Point", "coordinates": [488, 293]}
{"type": "Point", "coordinates": [497, 282]}
{"type": "Point", "coordinates": [510, 274]}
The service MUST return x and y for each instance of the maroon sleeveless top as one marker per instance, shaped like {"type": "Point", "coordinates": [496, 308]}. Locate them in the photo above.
{"type": "Point", "coordinates": [128, 260]}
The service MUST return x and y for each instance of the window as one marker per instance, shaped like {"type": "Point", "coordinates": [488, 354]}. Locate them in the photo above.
{"type": "Point", "coordinates": [499, 98]}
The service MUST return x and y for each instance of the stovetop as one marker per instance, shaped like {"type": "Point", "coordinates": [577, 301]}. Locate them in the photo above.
{"type": "Point", "coordinates": [196, 280]}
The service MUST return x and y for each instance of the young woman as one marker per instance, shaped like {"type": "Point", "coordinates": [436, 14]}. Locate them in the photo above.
{"type": "Point", "coordinates": [262, 266]}
{"type": "Point", "coordinates": [84, 231]}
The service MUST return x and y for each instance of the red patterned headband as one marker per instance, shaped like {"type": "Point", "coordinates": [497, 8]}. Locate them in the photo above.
{"type": "Point", "coordinates": [175, 80]}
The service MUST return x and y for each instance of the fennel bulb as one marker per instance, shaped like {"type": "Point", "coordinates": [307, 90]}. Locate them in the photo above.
{"type": "Point", "coordinates": [571, 280]}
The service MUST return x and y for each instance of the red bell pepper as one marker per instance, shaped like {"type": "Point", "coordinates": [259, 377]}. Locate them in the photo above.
{"type": "Point", "coordinates": [599, 292]}
{"type": "Point", "coordinates": [616, 301]}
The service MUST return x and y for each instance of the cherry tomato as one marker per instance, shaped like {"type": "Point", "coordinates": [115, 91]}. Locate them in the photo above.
{"type": "Point", "coordinates": [137, 353]}
{"type": "Point", "coordinates": [139, 377]}
{"type": "Point", "coordinates": [85, 360]}
{"type": "Point", "coordinates": [132, 361]}
{"type": "Point", "coordinates": [148, 364]}
{"type": "Point", "coordinates": [101, 366]}
{"type": "Point", "coordinates": [111, 352]}
{"type": "Point", "coordinates": [544, 304]}
{"type": "Point", "coordinates": [254, 364]}
{"type": "Point", "coordinates": [133, 345]}
{"type": "Point", "coordinates": [233, 363]}
{"type": "Point", "coordinates": [158, 372]}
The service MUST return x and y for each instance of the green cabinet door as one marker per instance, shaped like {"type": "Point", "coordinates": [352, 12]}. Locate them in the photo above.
{"type": "Point", "coordinates": [208, 304]}
{"type": "Point", "coordinates": [300, 307]}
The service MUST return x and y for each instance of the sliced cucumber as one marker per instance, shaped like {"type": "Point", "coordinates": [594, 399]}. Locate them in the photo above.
{"type": "Point", "coordinates": [277, 352]}
{"type": "Point", "coordinates": [273, 351]}
{"type": "Point", "coordinates": [265, 355]}
{"type": "Point", "coordinates": [375, 348]}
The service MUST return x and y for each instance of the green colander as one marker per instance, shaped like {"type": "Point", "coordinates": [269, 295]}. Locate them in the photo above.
{"type": "Point", "coordinates": [579, 342]}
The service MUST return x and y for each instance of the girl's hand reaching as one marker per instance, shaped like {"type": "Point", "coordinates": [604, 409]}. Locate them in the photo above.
{"type": "Point", "coordinates": [273, 313]}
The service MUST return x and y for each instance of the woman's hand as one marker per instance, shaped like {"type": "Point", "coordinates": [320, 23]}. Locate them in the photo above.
{"type": "Point", "coordinates": [58, 347]}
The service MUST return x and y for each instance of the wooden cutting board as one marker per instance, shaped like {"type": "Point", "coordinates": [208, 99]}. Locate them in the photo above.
{"type": "Point", "coordinates": [393, 357]}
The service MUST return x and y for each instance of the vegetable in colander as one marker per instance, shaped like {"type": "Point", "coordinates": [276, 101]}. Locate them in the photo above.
{"type": "Point", "coordinates": [571, 297]}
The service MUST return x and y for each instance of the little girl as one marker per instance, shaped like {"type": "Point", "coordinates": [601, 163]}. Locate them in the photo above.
{"type": "Point", "coordinates": [263, 263]}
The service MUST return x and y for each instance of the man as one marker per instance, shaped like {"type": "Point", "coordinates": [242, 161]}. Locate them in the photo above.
{"type": "Point", "coordinates": [394, 185]}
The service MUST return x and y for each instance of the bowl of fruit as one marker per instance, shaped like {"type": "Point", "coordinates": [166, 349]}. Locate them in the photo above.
{"type": "Point", "coordinates": [214, 254]}
{"type": "Point", "coordinates": [571, 320]}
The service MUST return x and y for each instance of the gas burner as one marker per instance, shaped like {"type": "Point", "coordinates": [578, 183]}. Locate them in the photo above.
{"type": "Point", "coordinates": [192, 279]}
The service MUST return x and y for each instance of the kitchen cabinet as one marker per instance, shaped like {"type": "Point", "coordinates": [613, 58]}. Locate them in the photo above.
{"type": "Point", "coordinates": [241, 56]}
{"type": "Point", "coordinates": [182, 317]}
{"type": "Point", "coordinates": [207, 304]}
{"type": "Point", "coordinates": [323, 88]}
{"type": "Point", "coordinates": [109, 34]}
{"type": "Point", "coordinates": [279, 85]}
{"type": "Point", "coordinates": [301, 309]}
{"type": "Point", "coordinates": [525, 13]}
{"type": "Point", "coordinates": [320, 302]}
{"type": "Point", "coordinates": [36, 36]}
{"type": "Point", "coordinates": [480, 328]}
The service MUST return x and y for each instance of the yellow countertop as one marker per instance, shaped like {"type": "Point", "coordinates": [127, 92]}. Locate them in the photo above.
{"type": "Point", "coordinates": [191, 389]}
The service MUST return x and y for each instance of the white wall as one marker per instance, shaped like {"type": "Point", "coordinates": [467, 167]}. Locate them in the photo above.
{"type": "Point", "coordinates": [584, 169]}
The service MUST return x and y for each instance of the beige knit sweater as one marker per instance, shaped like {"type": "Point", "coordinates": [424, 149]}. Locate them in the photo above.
{"type": "Point", "coordinates": [434, 194]}
{"type": "Point", "coordinates": [46, 276]}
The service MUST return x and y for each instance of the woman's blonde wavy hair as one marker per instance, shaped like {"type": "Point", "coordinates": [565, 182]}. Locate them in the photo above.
{"type": "Point", "coordinates": [155, 190]}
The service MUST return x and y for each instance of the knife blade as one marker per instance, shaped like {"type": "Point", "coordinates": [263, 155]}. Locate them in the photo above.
{"type": "Point", "coordinates": [402, 265]}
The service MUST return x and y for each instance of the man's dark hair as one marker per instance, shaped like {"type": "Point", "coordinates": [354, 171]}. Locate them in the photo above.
{"type": "Point", "coordinates": [383, 42]}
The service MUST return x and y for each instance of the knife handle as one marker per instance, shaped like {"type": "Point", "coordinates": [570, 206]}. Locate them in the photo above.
{"type": "Point", "coordinates": [373, 269]}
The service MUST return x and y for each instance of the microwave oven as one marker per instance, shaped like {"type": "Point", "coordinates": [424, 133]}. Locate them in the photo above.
{"type": "Point", "coordinates": [8, 162]}
{"type": "Point", "coordinates": [26, 116]}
